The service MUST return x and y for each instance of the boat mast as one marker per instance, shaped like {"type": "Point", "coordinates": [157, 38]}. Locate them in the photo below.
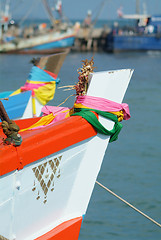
{"type": "Point", "coordinates": [0, 22]}
{"type": "Point", "coordinates": [52, 19]}
{"type": "Point", "coordinates": [6, 15]}
{"type": "Point", "coordinates": [4, 18]}
{"type": "Point", "coordinates": [137, 6]}
{"type": "Point", "coordinates": [99, 12]}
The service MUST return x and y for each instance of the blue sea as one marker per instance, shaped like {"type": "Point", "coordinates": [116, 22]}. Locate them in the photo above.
{"type": "Point", "coordinates": [132, 164]}
{"type": "Point", "coordinates": [98, 24]}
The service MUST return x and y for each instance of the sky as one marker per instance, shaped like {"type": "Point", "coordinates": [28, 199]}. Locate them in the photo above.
{"type": "Point", "coordinates": [77, 9]}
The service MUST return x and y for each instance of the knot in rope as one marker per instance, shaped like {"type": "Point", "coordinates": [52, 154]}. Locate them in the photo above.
{"type": "Point", "coordinates": [11, 129]}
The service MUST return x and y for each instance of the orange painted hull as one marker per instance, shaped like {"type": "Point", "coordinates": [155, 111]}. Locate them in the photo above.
{"type": "Point", "coordinates": [65, 231]}
{"type": "Point", "coordinates": [44, 142]}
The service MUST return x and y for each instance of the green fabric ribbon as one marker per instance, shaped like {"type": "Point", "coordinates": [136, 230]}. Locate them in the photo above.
{"type": "Point", "coordinates": [92, 119]}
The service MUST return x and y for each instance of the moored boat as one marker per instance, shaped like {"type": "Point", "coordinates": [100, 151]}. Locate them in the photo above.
{"type": "Point", "coordinates": [39, 39]}
{"type": "Point", "coordinates": [46, 182]}
{"type": "Point", "coordinates": [51, 42]}
{"type": "Point", "coordinates": [28, 100]}
{"type": "Point", "coordinates": [140, 38]}
{"type": "Point", "coordinates": [140, 32]}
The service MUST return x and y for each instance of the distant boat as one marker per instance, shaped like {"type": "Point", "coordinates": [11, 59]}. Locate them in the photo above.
{"type": "Point", "coordinates": [47, 43]}
{"type": "Point", "coordinates": [28, 101]}
{"type": "Point", "coordinates": [46, 182]}
{"type": "Point", "coordinates": [36, 39]}
{"type": "Point", "coordinates": [144, 36]}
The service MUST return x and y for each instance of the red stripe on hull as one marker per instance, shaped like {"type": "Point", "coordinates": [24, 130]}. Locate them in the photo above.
{"type": "Point", "coordinates": [42, 142]}
{"type": "Point", "coordinates": [35, 51]}
{"type": "Point", "coordinates": [66, 231]}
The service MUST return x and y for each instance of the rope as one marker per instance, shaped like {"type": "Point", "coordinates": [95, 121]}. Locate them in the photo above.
{"type": "Point", "coordinates": [65, 100]}
{"type": "Point", "coordinates": [3, 113]}
{"type": "Point", "coordinates": [10, 128]}
{"type": "Point", "coordinates": [68, 86]}
{"type": "Point", "coordinates": [130, 205]}
{"type": "Point", "coordinates": [6, 98]}
{"type": "Point", "coordinates": [34, 3]}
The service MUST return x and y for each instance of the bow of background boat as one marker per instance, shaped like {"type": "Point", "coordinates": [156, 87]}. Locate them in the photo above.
{"type": "Point", "coordinates": [46, 183]}
{"type": "Point", "coordinates": [24, 103]}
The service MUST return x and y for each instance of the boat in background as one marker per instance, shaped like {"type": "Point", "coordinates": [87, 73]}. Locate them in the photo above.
{"type": "Point", "coordinates": [36, 39]}
{"type": "Point", "coordinates": [51, 41]}
{"type": "Point", "coordinates": [145, 35]}
{"type": "Point", "coordinates": [46, 182]}
{"type": "Point", "coordinates": [39, 88]}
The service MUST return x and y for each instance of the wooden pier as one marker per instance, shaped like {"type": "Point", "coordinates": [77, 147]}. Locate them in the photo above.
{"type": "Point", "coordinates": [91, 39]}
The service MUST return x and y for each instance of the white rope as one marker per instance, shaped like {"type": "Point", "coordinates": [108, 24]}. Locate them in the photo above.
{"type": "Point", "coordinates": [130, 205]}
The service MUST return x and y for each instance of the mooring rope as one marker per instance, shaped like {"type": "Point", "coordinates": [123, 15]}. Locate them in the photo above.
{"type": "Point", "coordinates": [130, 205]}
{"type": "Point", "coordinates": [65, 100]}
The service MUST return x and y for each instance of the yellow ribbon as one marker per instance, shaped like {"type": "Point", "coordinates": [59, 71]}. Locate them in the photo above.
{"type": "Point", "coordinates": [45, 120]}
{"type": "Point", "coordinates": [119, 114]}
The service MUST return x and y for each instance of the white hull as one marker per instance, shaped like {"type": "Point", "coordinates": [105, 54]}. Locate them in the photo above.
{"type": "Point", "coordinates": [28, 113]}
{"type": "Point", "coordinates": [31, 43]}
{"type": "Point", "coordinates": [31, 207]}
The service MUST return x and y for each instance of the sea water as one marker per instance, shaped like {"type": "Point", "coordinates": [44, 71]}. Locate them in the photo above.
{"type": "Point", "coordinates": [132, 164]}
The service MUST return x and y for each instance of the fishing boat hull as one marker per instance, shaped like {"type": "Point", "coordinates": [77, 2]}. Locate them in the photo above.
{"type": "Point", "coordinates": [47, 182]}
{"type": "Point", "coordinates": [118, 43]}
{"type": "Point", "coordinates": [67, 230]}
{"type": "Point", "coordinates": [47, 43]}
{"type": "Point", "coordinates": [20, 106]}
{"type": "Point", "coordinates": [23, 103]}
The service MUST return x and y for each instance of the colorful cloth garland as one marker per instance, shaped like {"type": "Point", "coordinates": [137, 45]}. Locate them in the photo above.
{"type": "Point", "coordinates": [93, 120]}
{"type": "Point", "coordinates": [37, 80]}
{"type": "Point", "coordinates": [111, 110]}
{"type": "Point", "coordinates": [102, 104]}
{"type": "Point", "coordinates": [42, 83]}
{"type": "Point", "coordinates": [50, 116]}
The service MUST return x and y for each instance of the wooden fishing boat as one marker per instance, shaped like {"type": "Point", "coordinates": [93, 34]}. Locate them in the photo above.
{"type": "Point", "coordinates": [46, 182]}
{"type": "Point", "coordinates": [143, 35]}
{"type": "Point", "coordinates": [39, 39]}
{"type": "Point", "coordinates": [28, 101]}
{"type": "Point", "coordinates": [47, 43]}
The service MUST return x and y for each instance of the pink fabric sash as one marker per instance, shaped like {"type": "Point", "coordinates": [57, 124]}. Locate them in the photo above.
{"type": "Point", "coordinates": [59, 112]}
{"type": "Point", "coordinates": [31, 86]}
{"type": "Point", "coordinates": [103, 104]}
